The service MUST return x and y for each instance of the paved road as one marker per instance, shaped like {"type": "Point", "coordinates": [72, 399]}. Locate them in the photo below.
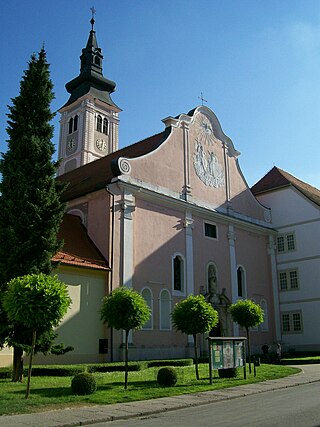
{"type": "Point", "coordinates": [294, 407]}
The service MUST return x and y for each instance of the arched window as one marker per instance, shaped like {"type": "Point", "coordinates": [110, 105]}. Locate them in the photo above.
{"type": "Point", "coordinates": [99, 123]}
{"type": "Point", "coordinates": [71, 125]}
{"type": "Point", "coordinates": [165, 310]}
{"type": "Point", "coordinates": [75, 123]}
{"type": "Point", "coordinates": [241, 279]}
{"type": "Point", "coordinates": [97, 60]}
{"type": "Point", "coordinates": [178, 273]}
{"type": "Point", "coordinates": [264, 324]}
{"type": "Point", "coordinates": [147, 296]}
{"type": "Point", "coordinates": [212, 282]}
{"type": "Point", "coordinates": [105, 126]}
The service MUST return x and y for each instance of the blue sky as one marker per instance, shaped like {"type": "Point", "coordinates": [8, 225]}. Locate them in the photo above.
{"type": "Point", "coordinates": [257, 63]}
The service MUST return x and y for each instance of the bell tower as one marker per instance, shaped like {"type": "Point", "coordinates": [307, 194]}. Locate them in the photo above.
{"type": "Point", "coordinates": [90, 119]}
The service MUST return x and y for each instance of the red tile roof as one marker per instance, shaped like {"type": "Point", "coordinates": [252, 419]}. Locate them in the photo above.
{"type": "Point", "coordinates": [78, 249]}
{"type": "Point", "coordinates": [97, 174]}
{"type": "Point", "coordinates": [277, 178]}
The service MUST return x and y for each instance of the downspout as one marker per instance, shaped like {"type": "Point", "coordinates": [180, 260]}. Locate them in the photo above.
{"type": "Point", "coordinates": [111, 251]}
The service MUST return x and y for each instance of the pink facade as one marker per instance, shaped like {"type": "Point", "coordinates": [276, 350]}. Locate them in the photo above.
{"type": "Point", "coordinates": [186, 202]}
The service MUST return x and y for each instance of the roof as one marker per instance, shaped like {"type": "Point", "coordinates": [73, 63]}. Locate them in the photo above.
{"type": "Point", "coordinates": [97, 174]}
{"type": "Point", "coordinates": [277, 178]}
{"type": "Point", "coordinates": [78, 249]}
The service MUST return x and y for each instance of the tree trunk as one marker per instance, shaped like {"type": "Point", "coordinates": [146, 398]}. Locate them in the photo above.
{"type": "Point", "coordinates": [126, 362]}
{"type": "Point", "coordinates": [17, 370]}
{"type": "Point", "coordinates": [249, 351]}
{"type": "Point", "coordinates": [196, 355]}
{"type": "Point", "coordinates": [34, 335]}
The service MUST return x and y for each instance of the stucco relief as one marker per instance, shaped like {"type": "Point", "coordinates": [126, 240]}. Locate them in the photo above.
{"type": "Point", "coordinates": [204, 130]}
{"type": "Point", "coordinates": [207, 166]}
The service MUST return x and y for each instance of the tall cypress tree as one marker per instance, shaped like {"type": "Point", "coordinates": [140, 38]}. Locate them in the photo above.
{"type": "Point", "coordinates": [30, 207]}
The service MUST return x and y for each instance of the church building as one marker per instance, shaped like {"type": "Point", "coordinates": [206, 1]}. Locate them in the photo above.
{"type": "Point", "coordinates": [172, 214]}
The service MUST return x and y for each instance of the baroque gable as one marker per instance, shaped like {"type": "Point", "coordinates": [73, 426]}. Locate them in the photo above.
{"type": "Point", "coordinates": [197, 163]}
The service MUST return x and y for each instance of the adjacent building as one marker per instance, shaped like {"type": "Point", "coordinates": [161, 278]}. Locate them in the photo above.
{"type": "Point", "coordinates": [295, 208]}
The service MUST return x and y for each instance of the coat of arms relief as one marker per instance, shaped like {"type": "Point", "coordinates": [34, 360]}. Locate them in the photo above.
{"type": "Point", "coordinates": [205, 161]}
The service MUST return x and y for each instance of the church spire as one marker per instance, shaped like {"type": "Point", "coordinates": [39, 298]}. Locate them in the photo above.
{"type": "Point", "coordinates": [91, 79]}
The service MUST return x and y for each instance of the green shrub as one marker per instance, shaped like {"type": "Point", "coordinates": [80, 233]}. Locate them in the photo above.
{"type": "Point", "coordinates": [5, 373]}
{"type": "Point", "coordinates": [56, 371]}
{"type": "Point", "coordinates": [115, 367]}
{"type": "Point", "coordinates": [83, 383]}
{"type": "Point", "coordinates": [228, 373]}
{"type": "Point", "coordinates": [170, 362]}
{"type": "Point", "coordinates": [167, 377]}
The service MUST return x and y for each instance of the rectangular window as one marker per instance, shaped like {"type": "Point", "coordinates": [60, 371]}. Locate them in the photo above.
{"type": "Point", "coordinates": [290, 242]}
{"type": "Point", "coordinates": [288, 280]}
{"type": "Point", "coordinates": [210, 230]}
{"type": "Point", "coordinates": [285, 323]}
{"type": "Point", "coordinates": [286, 243]}
{"type": "Point", "coordinates": [283, 280]}
{"type": "Point", "coordinates": [294, 283]}
{"type": "Point", "coordinates": [292, 322]}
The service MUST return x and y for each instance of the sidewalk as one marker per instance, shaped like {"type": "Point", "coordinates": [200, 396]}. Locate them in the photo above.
{"type": "Point", "coordinates": [93, 414]}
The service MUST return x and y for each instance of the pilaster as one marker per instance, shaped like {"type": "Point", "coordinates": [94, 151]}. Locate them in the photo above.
{"type": "Point", "coordinates": [233, 271]}
{"type": "Point", "coordinates": [272, 254]}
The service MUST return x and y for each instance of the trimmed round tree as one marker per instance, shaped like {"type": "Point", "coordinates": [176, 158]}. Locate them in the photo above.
{"type": "Point", "coordinates": [37, 302]}
{"type": "Point", "coordinates": [247, 314]}
{"type": "Point", "coordinates": [193, 316]}
{"type": "Point", "coordinates": [125, 309]}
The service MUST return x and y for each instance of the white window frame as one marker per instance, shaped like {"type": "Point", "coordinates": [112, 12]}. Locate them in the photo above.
{"type": "Point", "coordinates": [181, 292]}
{"type": "Point", "coordinates": [204, 230]}
{"type": "Point", "coordinates": [289, 287]}
{"type": "Point", "coordinates": [285, 236]}
{"type": "Point", "coordinates": [160, 310]}
{"type": "Point", "coordinates": [150, 328]}
{"type": "Point", "coordinates": [291, 322]}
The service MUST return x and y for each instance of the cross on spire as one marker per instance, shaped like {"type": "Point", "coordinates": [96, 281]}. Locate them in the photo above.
{"type": "Point", "coordinates": [93, 11]}
{"type": "Point", "coordinates": [202, 98]}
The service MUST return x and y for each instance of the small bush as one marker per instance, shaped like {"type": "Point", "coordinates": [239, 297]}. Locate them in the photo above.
{"type": "Point", "coordinates": [167, 377]}
{"type": "Point", "coordinates": [115, 367]}
{"type": "Point", "coordinates": [5, 373]}
{"type": "Point", "coordinates": [83, 383]}
{"type": "Point", "coordinates": [228, 373]}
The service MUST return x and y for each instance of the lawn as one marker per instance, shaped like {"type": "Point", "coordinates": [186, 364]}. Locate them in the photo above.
{"type": "Point", "coordinates": [55, 392]}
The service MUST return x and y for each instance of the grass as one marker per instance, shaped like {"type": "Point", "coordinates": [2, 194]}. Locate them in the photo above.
{"type": "Point", "coordinates": [55, 392]}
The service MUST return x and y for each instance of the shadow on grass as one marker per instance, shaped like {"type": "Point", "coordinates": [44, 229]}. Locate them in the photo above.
{"type": "Point", "coordinates": [46, 392]}
{"type": "Point", "coordinates": [138, 384]}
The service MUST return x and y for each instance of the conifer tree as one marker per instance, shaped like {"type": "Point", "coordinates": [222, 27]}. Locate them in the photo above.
{"type": "Point", "coordinates": [30, 207]}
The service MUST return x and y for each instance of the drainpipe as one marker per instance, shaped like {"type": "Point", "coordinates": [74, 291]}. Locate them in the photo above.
{"type": "Point", "coordinates": [111, 263]}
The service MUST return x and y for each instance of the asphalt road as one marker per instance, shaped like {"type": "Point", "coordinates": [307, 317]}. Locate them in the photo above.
{"type": "Point", "coordinates": [293, 407]}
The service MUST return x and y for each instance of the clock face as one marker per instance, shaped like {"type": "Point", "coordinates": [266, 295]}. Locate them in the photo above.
{"type": "Point", "coordinates": [101, 144]}
{"type": "Point", "coordinates": [71, 144]}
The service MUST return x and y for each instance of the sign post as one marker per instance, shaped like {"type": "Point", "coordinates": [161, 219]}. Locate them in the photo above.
{"type": "Point", "coordinates": [227, 352]}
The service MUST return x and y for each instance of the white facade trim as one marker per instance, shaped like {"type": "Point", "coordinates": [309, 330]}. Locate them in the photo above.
{"type": "Point", "coordinates": [189, 254]}
{"type": "Point", "coordinates": [128, 207]}
{"type": "Point", "coordinates": [160, 194]}
{"type": "Point", "coordinates": [233, 272]}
